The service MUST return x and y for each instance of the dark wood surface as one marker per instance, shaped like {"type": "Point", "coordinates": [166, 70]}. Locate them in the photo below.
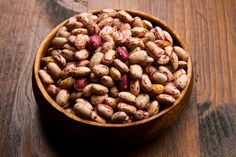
{"type": "Point", "coordinates": [208, 124]}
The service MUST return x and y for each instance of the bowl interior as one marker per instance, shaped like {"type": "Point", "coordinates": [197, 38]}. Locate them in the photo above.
{"type": "Point", "coordinates": [156, 22]}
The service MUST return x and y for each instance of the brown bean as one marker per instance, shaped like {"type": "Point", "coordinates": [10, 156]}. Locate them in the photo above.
{"type": "Point", "coordinates": [112, 102]}
{"type": "Point", "coordinates": [98, 99]}
{"type": "Point", "coordinates": [158, 77]}
{"type": "Point", "coordinates": [81, 54]}
{"type": "Point", "coordinates": [107, 46]}
{"type": "Point", "coordinates": [67, 83]}
{"type": "Point", "coordinates": [95, 117]}
{"type": "Point", "coordinates": [137, 57]}
{"type": "Point", "coordinates": [114, 92]}
{"type": "Point", "coordinates": [54, 70]}
{"type": "Point", "coordinates": [109, 57]}
{"type": "Point", "coordinates": [45, 77]}
{"type": "Point", "coordinates": [134, 42]}
{"type": "Point", "coordinates": [62, 98]}
{"type": "Point", "coordinates": [146, 83]}
{"type": "Point", "coordinates": [99, 89]}
{"type": "Point", "coordinates": [141, 101]}
{"type": "Point", "coordinates": [181, 53]}
{"type": "Point", "coordinates": [60, 60]}
{"type": "Point", "coordinates": [124, 16]}
{"type": "Point", "coordinates": [80, 71]}
{"type": "Point", "coordinates": [153, 50]}
{"type": "Point", "coordinates": [81, 41]}
{"type": "Point", "coordinates": [181, 81]}
{"type": "Point", "coordinates": [83, 63]}
{"type": "Point", "coordinates": [100, 70]}
{"type": "Point", "coordinates": [115, 73]}
{"type": "Point", "coordinates": [153, 108]}
{"type": "Point", "coordinates": [46, 60]}
{"type": "Point", "coordinates": [166, 99]}
{"type": "Point", "coordinates": [157, 88]}
{"type": "Point", "coordinates": [68, 54]}
{"type": "Point", "coordinates": [136, 71]}
{"type": "Point", "coordinates": [127, 97]}
{"type": "Point", "coordinates": [135, 87]}
{"type": "Point", "coordinates": [87, 90]}
{"type": "Point", "coordinates": [75, 95]}
{"type": "Point", "coordinates": [150, 69]}
{"type": "Point", "coordinates": [104, 110]}
{"type": "Point", "coordinates": [58, 41]}
{"type": "Point", "coordinates": [82, 111]}
{"type": "Point", "coordinates": [119, 117]}
{"type": "Point", "coordinates": [105, 22]}
{"type": "Point", "coordinates": [128, 109]}
{"type": "Point", "coordinates": [139, 115]}
{"type": "Point", "coordinates": [52, 90]}
{"type": "Point", "coordinates": [171, 90]}
{"type": "Point", "coordinates": [96, 59]}
{"type": "Point", "coordinates": [121, 66]}
{"type": "Point", "coordinates": [167, 72]}
{"type": "Point", "coordinates": [107, 81]}
{"type": "Point", "coordinates": [84, 102]}
{"type": "Point", "coordinates": [138, 31]}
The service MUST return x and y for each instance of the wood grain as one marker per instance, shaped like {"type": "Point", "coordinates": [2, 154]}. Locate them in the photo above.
{"type": "Point", "coordinates": [207, 126]}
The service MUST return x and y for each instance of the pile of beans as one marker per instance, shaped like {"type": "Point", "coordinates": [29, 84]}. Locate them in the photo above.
{"type": "Point", "coordinates": [113, 68]}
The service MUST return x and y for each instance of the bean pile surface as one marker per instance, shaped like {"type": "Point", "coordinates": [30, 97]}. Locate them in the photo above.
{"type": "Point", "coordinates": [113, 68]}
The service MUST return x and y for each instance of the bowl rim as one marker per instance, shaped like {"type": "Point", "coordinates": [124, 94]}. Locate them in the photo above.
{"type": "Point", "coordinates": [51, 34]}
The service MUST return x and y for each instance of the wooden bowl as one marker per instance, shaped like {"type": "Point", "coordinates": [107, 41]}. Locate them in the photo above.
{"type": "Point", "coordinates": [129, 133]}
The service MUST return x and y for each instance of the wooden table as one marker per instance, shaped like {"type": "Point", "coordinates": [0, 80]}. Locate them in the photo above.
{"type": "Point", "coordinates": [208, 124]}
